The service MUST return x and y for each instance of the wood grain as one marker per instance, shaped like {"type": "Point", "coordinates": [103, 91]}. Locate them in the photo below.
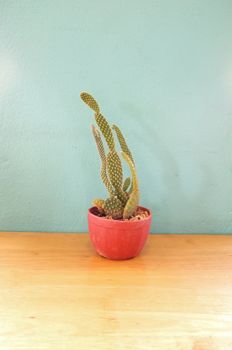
{"type": "Point", "coordinates": [56, 293]}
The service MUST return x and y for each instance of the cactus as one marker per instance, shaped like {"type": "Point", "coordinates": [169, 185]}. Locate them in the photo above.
{"type": "Point", "coordinates": [123, 197]}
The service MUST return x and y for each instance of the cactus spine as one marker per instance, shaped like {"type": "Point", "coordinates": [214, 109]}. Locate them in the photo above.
{"type": "Point", "coordinates": [121, 203]}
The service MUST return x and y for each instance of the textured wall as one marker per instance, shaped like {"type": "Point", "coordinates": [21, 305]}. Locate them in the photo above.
{"type": "Point", "coordinates": [162, 70]}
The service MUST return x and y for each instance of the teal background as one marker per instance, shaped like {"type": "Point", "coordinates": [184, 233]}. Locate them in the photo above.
{"type": "Point", "coordinates": [161, 70]}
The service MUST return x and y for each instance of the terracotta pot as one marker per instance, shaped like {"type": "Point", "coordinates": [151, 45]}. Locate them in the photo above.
{"type": "Point", "coordinates": [115, 239]}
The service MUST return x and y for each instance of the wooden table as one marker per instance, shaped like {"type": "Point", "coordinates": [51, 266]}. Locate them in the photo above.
{"type": "Point", "coordinates": [56, 293]}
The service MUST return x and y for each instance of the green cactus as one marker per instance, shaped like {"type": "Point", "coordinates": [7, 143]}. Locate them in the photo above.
{"type": "Point", "coordinates": [123, 195]}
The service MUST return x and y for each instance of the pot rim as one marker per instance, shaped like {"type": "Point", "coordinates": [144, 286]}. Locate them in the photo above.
{"type": "Point", "coordinates": [102, 220]}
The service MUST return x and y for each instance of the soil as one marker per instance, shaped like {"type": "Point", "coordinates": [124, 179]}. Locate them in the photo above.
{"type": "Point", "coordinates": [139, 215]}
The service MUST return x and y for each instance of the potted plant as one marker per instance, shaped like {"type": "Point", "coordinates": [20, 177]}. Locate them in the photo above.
{"type": "Point", "coordinates": [118, 226]}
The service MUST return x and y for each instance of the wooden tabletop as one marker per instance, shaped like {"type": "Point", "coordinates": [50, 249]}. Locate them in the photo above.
{"type": "Point", "coordinates": [56, 293]}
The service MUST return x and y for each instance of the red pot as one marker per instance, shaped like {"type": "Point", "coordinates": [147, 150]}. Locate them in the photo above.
{"type": "Point", "coordinates": [115, 239]}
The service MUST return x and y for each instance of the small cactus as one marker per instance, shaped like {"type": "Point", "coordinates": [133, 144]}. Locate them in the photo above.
{"type": "Point", "coordinates": [123, 197]}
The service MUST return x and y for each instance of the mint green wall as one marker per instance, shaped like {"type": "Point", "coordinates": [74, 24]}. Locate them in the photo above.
{"type": "Point", "coordinates": [162, 70]}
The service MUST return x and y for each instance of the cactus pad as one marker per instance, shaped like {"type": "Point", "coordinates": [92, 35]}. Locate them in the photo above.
{"type": "Point", "coordinates": [131, 205]}
{"type": "Point", "coordinates": [133, 200]}
{"type": "Point", "coordinates": [122, 196]}
{"type": "Point", "coordinates": [106, 130]}
{"type": "Point", "coordinates": [90, 101]}
{"type": "Point", "coordinates": [101, 151]}
{"type": "Point", "coordinates": [122, 141]}
{"type": "Point", "coordinates": [113, 207]}
{"type": "Point", "coordinates": [114, 168]}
